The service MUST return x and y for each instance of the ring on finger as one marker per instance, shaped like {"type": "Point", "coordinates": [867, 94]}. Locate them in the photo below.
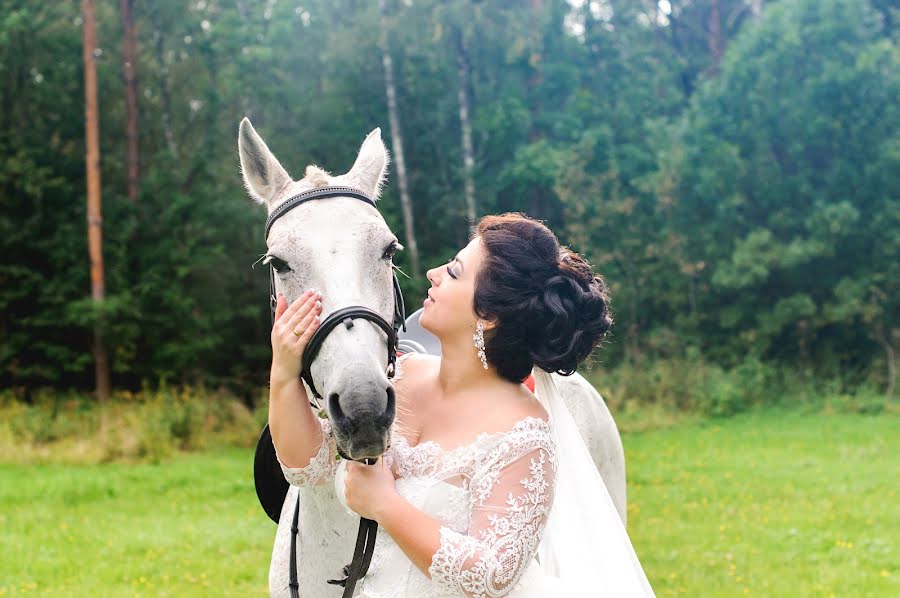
{"type": "Point", "coordinates": [297, 334]}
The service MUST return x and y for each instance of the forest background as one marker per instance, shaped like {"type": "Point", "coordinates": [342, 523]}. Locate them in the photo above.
{"type": "Point", "coordinates": [732, 167]}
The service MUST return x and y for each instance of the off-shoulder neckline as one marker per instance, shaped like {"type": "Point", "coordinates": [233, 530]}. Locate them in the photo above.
{"type": "Point", "coordinates": [524, 423]}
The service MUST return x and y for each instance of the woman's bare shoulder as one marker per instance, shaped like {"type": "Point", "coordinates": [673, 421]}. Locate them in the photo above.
{"type": "Point", "coordinates": [509, 408]}
{"type": "Point", "coordinates": [411, 365]}
{"type": "Point", "coordinates": [413, 370]}
{"type": "Point", "coordinates": [521, 404]}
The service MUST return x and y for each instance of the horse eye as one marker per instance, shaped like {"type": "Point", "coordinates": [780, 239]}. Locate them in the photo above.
{"type": "Point", "coordinates": [279, 264]}
{"type": "Point", "coordinates": [390, 252]}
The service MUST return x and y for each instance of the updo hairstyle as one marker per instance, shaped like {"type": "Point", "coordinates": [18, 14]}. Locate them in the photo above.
{"type": "Point", "coordinates": [551, 309]}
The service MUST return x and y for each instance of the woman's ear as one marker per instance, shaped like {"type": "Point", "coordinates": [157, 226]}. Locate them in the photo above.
{"type": "Point", "coordinates": [488, 324]}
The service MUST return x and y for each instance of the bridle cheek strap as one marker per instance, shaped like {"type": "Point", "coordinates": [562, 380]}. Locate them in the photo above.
{"type": "Point", "coordinates": [345, 316]}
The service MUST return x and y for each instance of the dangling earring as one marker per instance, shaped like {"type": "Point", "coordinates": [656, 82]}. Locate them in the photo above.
{"type": "Point", "coordinates": [478, 337]}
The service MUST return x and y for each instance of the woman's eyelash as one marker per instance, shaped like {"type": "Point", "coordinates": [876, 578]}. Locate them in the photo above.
{"type": "Point", "coordinates": [449, 271]}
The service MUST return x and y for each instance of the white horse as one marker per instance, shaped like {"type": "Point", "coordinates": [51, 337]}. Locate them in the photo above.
{"type": "Point", "coordinates": [342, 247]}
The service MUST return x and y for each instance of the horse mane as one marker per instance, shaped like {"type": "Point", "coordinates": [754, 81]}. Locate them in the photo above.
{"type": "Point", "coordinates": [316, 177]}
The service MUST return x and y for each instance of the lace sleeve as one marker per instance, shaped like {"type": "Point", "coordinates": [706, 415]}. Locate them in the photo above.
{"type": "Point", "coordinates": [321, 468]}
{"type": "Point", "coordinates": [398, 369]}
{"type": "Point", "coordinates": [511, 498]}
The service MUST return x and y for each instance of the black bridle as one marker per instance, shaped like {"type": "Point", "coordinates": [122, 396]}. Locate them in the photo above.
{"type": "Point", "coordinates": [365, 537]}
{"type": "Point", "coordinates": [344, 315]}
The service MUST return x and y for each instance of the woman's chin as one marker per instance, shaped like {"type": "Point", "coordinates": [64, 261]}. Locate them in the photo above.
{"type": "Point", "coordinates": [425, 315]}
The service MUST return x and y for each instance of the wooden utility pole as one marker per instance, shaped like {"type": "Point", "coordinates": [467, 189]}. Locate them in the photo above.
{"type": "Point", "coordinates": [94, 217]}
{"type": "Point", "coordinates": [397, 138]}
{"type": "Point", "coordinates": [129, 58]}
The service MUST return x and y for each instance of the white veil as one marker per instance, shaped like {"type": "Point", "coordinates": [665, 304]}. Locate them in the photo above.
{"type": "Point", "coordinates": [585, 550]}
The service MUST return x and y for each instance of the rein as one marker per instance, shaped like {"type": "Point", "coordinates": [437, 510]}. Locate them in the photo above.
{"type": "Point", "coordinates": [368, 529]}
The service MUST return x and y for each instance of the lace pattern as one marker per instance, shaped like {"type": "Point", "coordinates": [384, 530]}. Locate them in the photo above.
{"type": "Point", "coordinates": [509, 501]}
{"type": "Point", "coordinates": [321, 467]}
{"type": "Point", "coordinates": [398, 366]}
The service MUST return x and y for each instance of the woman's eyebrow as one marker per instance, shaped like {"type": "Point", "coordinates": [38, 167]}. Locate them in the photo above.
{"type": "Point", "coordinates": [463, 266]}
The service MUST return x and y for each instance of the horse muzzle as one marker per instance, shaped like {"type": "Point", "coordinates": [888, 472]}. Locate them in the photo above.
{"type": "Point", "coordinates": [361, 420]}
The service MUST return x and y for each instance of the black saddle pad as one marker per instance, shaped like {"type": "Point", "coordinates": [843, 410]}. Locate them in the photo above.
{"type": "Point", "coordinates": [271, 487]}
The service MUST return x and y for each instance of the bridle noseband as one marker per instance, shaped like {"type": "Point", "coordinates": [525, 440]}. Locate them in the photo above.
{"type": "Point", "coordinates": [365, 537]}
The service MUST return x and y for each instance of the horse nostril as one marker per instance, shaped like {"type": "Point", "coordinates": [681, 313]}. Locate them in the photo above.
{"type": "Point", "coordinates": [334, 409]}
{"type": "Point", "coordinates": [387, 417]}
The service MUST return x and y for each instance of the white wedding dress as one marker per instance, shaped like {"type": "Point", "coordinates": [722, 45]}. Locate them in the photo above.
{"type": "Point", "coordinates": [492, 497]}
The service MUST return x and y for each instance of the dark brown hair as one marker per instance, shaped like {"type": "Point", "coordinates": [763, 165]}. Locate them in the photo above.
{"type": "Point", "coordinates": [551, 309]}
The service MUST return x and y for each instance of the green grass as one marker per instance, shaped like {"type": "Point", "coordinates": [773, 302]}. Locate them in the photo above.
{"type": "Point", "coordinates": [769, 503]}
{"type": "Point", "coordinates": [775, 503]}
{"type": "Point", "coordinates": [188, 527]}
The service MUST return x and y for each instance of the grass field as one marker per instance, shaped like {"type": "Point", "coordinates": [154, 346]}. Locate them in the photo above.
{"type": "Point", "coordinates": [775, 503]}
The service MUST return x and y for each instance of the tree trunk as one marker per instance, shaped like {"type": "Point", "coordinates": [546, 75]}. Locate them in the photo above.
{"type": "Point", "coordinates": [462, 62]}
{"type": "Point", "coordinates": [159, 49]}
{"type": "Point", "coordinates": [714, 39]}
{"type": "Point", "coordinates": [397, 138]}
{"type": "Point", "coordinates": [657, 53]}
{"type": "Point", "coordinates": [94, 215]}
{"type": "Point", "coordinates": [536, 208]}
{"type": "Point", "coordinates": [129, 58]}
{"type": "Point", "coordinates": [249, 102]}
{"type": "Point", "coordinates": [890, 357]}
{"type": "Point", "coordinates": [756, 7]}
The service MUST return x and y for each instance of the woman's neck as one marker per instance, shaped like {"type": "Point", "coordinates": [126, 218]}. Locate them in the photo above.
{"type": "Point", "coordinates": [461, 369]}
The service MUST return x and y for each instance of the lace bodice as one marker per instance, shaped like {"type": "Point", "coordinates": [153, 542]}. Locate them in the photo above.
{"type": "Point", "coordinates": [492, 497]}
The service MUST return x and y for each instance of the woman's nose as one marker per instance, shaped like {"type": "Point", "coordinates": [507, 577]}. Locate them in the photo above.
{"type": "Point", "coordinates": [430, 275]}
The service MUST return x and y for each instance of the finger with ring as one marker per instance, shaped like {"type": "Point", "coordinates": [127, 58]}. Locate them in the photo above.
{"type": "Point", "coordinates": [300, 318]}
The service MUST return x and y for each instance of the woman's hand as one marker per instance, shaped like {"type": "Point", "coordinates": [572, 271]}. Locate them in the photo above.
{"type": "Point", "coordinates": [294, 326]}
{"type": "Point", "coordinates": [369, 489]}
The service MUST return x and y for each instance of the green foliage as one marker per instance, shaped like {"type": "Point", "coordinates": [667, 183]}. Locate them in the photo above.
{"type": "Point", "coordinates": [147, 426]}
{"type": "Point", "coordinates": [694, 385]}
{"type": "Point", "coordinates": [742, 204]}
{"type": "Point", "coordinates": [794, 108]}
{"type": "Point", "coordinates": [691, 384]}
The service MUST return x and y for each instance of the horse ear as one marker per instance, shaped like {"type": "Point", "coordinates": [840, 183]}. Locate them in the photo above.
{"type": "Point", "coordinates": [369, 172]}
{"type": "Point", "coordinates": [264, 177]}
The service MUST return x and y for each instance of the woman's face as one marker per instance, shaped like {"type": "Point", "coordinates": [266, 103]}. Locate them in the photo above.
{"type": "Point", "coordinates": [450, 307]}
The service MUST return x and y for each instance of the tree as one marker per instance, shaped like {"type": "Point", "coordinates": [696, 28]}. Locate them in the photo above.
{"type": "Point", "coordinates": [397, 138]}
{"type": "Point", "coordinates": [129, 66]}
{"type": "Point", "coordinates": [748, 212]}
{"type": "Point", "coordinates": [786, 175]}
{"type": "Point", "coordinates": [94, 213]}
{"type": "Point", "coordinates": [462, 92]}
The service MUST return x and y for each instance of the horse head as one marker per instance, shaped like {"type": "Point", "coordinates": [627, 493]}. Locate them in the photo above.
{"type": "Point", "coordinates": [342, 247]}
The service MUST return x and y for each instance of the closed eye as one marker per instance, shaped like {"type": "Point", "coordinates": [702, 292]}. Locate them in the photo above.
{"type": "Point", "coordinates": [449, 270]}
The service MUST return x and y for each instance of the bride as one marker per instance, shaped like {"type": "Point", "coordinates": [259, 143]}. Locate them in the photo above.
{"type": "Point", "coordinates": [487, 489]}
